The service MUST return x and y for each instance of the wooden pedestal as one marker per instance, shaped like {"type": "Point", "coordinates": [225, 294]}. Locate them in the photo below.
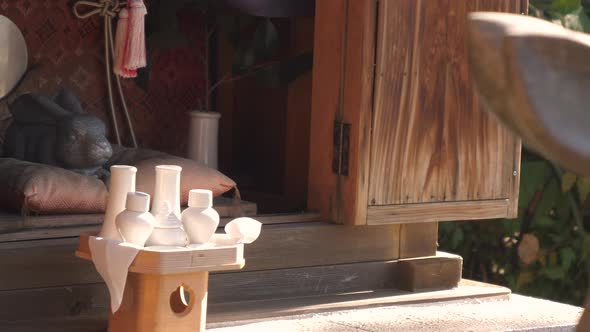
{"type": "Point", "coordinates": [166, 291]}
{"type": "Point", "coordinates": [157, 303]}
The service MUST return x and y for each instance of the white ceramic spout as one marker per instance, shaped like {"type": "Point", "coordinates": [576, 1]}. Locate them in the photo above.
{"type": "Point", "coordinates": [136, 224]}
{"type": "Point", "coordinates": [167, 190]}
{"type": "Point", "coordinates": [121, 182]}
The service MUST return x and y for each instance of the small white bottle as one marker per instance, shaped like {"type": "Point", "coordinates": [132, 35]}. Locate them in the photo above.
{"type": "Point", "coordinates": [200, 220]}
{"type": "Point", "coordinates": [135, 223]}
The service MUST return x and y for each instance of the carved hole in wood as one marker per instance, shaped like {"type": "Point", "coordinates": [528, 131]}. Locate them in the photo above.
{"type": "Point", "coordinates": [181, 300]}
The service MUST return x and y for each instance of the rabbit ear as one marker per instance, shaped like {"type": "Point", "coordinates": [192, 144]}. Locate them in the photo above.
{"type": "Point", "coordinates": [66, 99]}
{"type": "Point", "coordinates": [35, 109]}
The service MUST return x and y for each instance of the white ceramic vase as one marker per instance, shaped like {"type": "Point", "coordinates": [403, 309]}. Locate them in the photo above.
{"type": "Point", "coordinates": [167, 190]}
{"type": "Point", "coordinates": [136, 224]}
{"type": "Point", "coordinates": [200, 220]}
{"type": "Point", "coordinates": [121, 182]}
{"type": "Point", "coordinates": [203, 137]}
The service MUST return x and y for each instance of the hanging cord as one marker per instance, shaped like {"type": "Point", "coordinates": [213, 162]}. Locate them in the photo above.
{"type": "Point", "coordinates": [109, 9]}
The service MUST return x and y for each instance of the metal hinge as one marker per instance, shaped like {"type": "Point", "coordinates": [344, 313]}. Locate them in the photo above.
{"type": "Point", "coordinates": [341, 148]}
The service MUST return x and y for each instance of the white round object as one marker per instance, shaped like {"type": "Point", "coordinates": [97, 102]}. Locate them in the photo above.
{"type": "Point", "coordinates": [13, 55]}
{"type": "Point", "coordinates": [138, 202]}
{"type": "Point", "coordinates": [200, 198]}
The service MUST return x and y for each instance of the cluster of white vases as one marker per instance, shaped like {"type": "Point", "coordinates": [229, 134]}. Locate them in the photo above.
{"type": "Point", "coordinates": [129, 219]}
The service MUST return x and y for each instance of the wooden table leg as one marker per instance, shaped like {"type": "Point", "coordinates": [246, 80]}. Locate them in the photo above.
{"type": "Point", "coordinates": [584, 324]}
{"type": "Point", "coordinates": [162, 303]}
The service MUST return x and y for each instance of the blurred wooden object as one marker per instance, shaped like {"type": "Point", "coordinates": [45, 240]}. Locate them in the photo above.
{"type": "Point", "coordinates": [534, 75]}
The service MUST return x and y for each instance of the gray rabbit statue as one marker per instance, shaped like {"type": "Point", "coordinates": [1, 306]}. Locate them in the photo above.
{"type": "Point", "coordinates": [57, 132]}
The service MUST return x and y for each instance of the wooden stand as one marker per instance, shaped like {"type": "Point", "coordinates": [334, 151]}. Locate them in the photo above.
{"type": "Point", "coordinates": [167, 290]}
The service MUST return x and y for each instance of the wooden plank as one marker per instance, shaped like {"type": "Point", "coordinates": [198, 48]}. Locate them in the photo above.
{"type": "Point", "coordinates": [328, 61]}
{"type": "Point", "coordinates": [49, 263]}
{"type": "Point", "coordinates": [432, 141]}
{"type": "Point", "coordinates": [306, 281]}
{"type": "Point", "coordinates": [43, 263]}
{"type": "Point", "coordinates": [418, 240]}
{"type": "Point", "coordinates": [12, 222]}
{"type": "Point", "coordinates": [298, 116]}
{"type": "Point", "coordinates": [435, 212]}
{"type": "Point", "coordinates": [227, 207]}
{"type": "Point", "coordinates": [45, 228]}
{"type": "Point", "coordinates": [343, 82]}
{"type": "Point", "coordinates": [47, 233]}
{"type": "Point", "coordinates": [442, 271]}
{"type": "Point", "coordinates": [67, 302]}
{"type": "Point", "coordinates": [357, 104]}
{"type": "Point", "coordinates": [83, 308]}
{"type": "Point", "coordinates": [80, 324]}
{"type": "Point", "coordinates": [312, 244]}
{"type": "Point", "coordinates": [226, 313]}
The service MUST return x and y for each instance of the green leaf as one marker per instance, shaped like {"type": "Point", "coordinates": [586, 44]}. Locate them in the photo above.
{"type": "Point", "coordinates": [266, 39]}
{"type": "Point", "coordinates": [551, 194]}
{"type": "Point", "coordinates": [568, 257]}
{"type": "Point", "coordinates": [544, 221]}
{"type": "Point", "coordinates": [554, 272]}
{"type": "Point", "coordinates": [583, 185]}
{"type": "Point", "coordinates": [577, 20]}
{"type": "Point", "coordinates": [533, 174]}
{"type": "Point", "coordinates": [565, 6]}
{"type": "Point", "coordinates": [586, 247]}
{"type": "Point", "coordinates": [244, 58]}
{"type": "Point", "coordinates": [511, 226]}
{"type": "Point", "coordinates": [563, 209]}
{"type": "Point", "coordinates": [457, 237]}
{"type": "Point", "coordinates": [287, 71]}
{"type": "Point", "coordinates": [567, 181]}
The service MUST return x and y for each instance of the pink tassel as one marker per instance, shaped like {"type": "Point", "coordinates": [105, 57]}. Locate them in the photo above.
{"type": "Point", "coordinates": [135, 54]}
{"type": "Point", "coordinates": [120, 45]}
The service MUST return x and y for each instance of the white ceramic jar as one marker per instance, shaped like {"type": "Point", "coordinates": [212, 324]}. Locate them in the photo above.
{"type": "Point", "coordinates": [136, 224]}
{"type": "Point", "coordinates": [200, 220]}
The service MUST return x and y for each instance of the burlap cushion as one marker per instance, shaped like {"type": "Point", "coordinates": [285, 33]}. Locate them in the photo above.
{"type": "Point", "coordinates": [194, 175]}
{"type": "Point", "coordinates": [39, 188]}
{"type": "Point", "coordinates": [44, 189]}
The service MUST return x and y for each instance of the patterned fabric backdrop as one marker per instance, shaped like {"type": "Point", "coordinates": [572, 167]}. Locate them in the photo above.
{"type": "Point", "coordinates": [71, 54]}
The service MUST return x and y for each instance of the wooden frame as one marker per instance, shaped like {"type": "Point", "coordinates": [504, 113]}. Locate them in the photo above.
{"type": "Point", "coordinates": [420, 147]}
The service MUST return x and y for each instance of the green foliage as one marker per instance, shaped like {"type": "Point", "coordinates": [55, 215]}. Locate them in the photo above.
{"type": "Point", "coordinates": [550, 210]}
{"type": "Point", "coordinates": [572, 14]}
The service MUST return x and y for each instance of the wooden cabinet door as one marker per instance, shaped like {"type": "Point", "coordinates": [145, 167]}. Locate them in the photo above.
{"type": "Point", "coordinates": [420, 146]}
{"type": "Point", "coordinates": [432, 141]}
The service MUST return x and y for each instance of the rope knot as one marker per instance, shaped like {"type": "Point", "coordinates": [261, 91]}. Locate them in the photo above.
{"type": "Point", "coordinates": [108, 8]}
